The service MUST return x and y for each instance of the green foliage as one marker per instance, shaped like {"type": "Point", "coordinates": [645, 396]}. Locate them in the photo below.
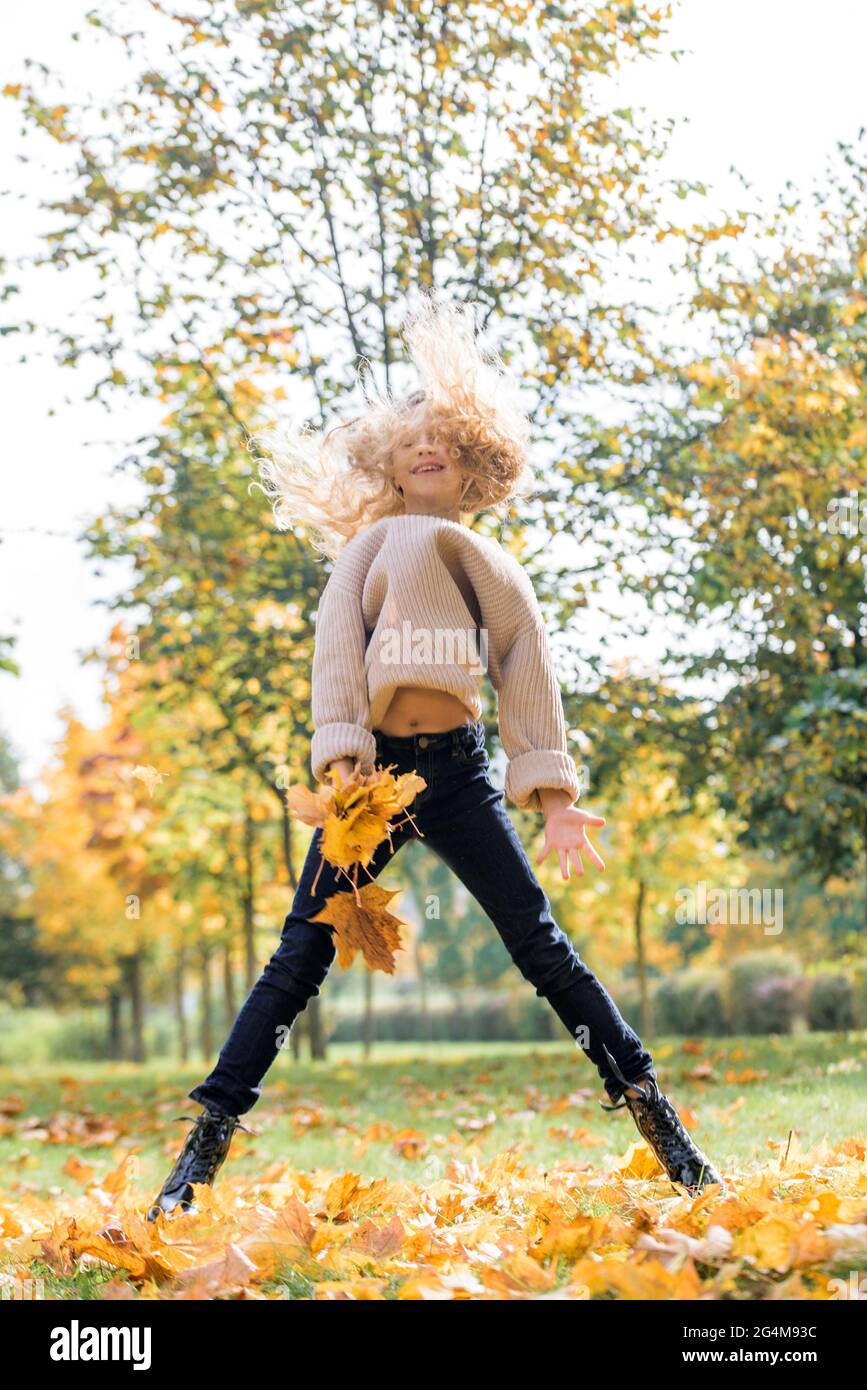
{"type": "Point", "coordinates": [691, 1002]}
{"type": "Point", "coordinates": [856, 972]}
{"type": "Point", "coordinates": [6, 662]}
{"type": "Point", "coordinates": [832, 1003]}
{"type": "Point", "coordinates": [744, 478]}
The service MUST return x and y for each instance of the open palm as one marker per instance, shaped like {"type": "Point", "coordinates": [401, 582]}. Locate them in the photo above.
{"type": "Point", "coordinates": [566, 832]}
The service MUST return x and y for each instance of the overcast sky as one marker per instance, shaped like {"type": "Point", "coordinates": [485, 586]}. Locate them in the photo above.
{"type": "Point", "coordinates": [769, 86]}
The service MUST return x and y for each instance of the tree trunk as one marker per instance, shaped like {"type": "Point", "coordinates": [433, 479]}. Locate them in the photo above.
{"type": "Point", "coordinates": [206, 1020]}
{"type": "Point", "coordinates": [229, 998]}
{"type": "Point", "coordinates": [133, 974]}
{"type": "Point", "coordinates": [115, 1027]}
{"type": "Point", "coordinates": [459, 1016]}
{"type": "Point", "coordinates": [425, 1029]}
{"type": "Point", "coordinates": [641, 964]}
{"type": "Point", "coordinates": [249, 901]}
{"type": "Point", "coordinates": [315, 1026]}
{"type": "Point", "coordinates": [180, 1013]}
{"type": "Point", "coordinates": [368, 1026]}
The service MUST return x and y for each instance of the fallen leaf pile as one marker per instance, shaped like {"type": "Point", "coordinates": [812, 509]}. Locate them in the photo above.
{"type": "Point", "coordinates": [504, 1229]}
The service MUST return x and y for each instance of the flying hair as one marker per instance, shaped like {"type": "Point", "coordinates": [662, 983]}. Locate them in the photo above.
{"type": "Point", "coordinates": [336, 481]}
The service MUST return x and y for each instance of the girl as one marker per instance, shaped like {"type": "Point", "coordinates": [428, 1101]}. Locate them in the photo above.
{"type": "Point", "coordinates": [417, 607]}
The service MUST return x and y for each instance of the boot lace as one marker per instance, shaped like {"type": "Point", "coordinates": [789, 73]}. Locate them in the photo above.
{"type": "Point", "coordinates": [646, 1076]}
{"type": "Point", "coordinates": [213, 1131]}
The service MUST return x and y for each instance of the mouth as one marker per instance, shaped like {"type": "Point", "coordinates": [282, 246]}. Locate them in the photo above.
{"type": "Point", "coordinates": [427, 468]}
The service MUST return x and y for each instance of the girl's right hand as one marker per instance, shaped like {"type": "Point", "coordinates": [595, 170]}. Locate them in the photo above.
{"type": "Point", "coordinates": [346, 768]}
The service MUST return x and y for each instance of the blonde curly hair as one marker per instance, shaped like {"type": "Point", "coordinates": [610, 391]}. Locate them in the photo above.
{"type": "Point", "coordinates": [335, 482]}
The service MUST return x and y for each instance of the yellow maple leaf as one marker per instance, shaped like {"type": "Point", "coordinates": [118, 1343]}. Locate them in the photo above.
{"type": "Point", "coordinates": [150, 776]}
{"type": "Point", "coordinates": [639, 1161]}
{"type": "Point", "coordinates": [345, 843]}
{"type": "Point", "coordinates": [357, 815]}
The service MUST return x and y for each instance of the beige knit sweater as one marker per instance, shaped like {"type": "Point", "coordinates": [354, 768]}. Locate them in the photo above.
{"type": "Point", "coordinates": [419, 600]}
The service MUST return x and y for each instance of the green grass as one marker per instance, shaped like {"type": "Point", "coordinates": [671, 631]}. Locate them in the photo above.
{"type": "Point", "coordinates": [814, 1086]}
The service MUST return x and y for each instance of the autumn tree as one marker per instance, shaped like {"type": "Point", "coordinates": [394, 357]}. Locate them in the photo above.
{"type": "Point", "coordinates": [24, 968]}
{"type": "Point", "coordinates": [76, 905]}
{"type": "Point", "coordinates": [754, 485]}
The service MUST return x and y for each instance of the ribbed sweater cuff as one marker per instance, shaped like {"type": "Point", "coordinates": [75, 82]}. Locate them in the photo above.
{"type": "Point", "coordinates": [335, 741]}
{"type": "Point", "coordinates": [529, 771]}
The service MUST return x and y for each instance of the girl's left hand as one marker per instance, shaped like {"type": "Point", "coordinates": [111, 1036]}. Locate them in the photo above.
{"type": "Point", "coordinates": [565, 832]}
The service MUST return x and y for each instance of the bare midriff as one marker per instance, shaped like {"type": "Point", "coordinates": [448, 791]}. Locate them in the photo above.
{"type": "Point", "coordinates": [414, 709]}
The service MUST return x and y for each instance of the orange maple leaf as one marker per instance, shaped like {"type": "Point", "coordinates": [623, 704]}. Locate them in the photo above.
{"type": "Point", "coordinates": [361, 923]}
{"type": "Point", "coordinates": [309, 806]}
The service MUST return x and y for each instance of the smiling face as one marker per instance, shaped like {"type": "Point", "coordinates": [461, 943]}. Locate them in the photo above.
{"type": "Point", "coordinates": [424, 471]}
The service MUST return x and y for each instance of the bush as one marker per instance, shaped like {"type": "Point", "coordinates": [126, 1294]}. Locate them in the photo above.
{"type": "Point", "coordinates": [754, 997]}
{"type": "Point", "coordinates": [690, 1003]}
{"type": "Point", "coordinates": [43, 1035]}
{"type": "Point", "coordinates": [495, 1018]}
{"type": "Point", "coordinates": [536, 1021]}
{"type": "Point", "coordinates": [831, 1003]}
{"type": "Point", "coordinates": [857, 974]}
{"type": "Point", "coordinates": [778, 1003]}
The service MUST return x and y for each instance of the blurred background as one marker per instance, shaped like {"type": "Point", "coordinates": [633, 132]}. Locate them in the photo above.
{"type": "Point", "coordinates": [213, 214]}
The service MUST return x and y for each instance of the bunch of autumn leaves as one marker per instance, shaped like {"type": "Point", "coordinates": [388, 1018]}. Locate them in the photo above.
{"type": "Point", "coordinates": [355, 818]}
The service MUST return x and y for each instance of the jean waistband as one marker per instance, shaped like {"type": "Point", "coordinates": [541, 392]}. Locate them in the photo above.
{"type": "Point", "coordinates": [468, 735]}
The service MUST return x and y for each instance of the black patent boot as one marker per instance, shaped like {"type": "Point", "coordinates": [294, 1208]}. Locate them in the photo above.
{"type": "Point", "coordinates": [660, 1125]}
{"type": "Point", "coordinates": [204, 1151]}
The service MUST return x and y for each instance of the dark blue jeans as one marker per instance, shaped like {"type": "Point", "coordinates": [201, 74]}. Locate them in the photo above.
{"type": "Point", "coordinates": [462, 817]}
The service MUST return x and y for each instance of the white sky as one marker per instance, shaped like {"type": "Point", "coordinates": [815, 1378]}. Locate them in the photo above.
{"type": "Point", "coordinates": [769, 86]}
